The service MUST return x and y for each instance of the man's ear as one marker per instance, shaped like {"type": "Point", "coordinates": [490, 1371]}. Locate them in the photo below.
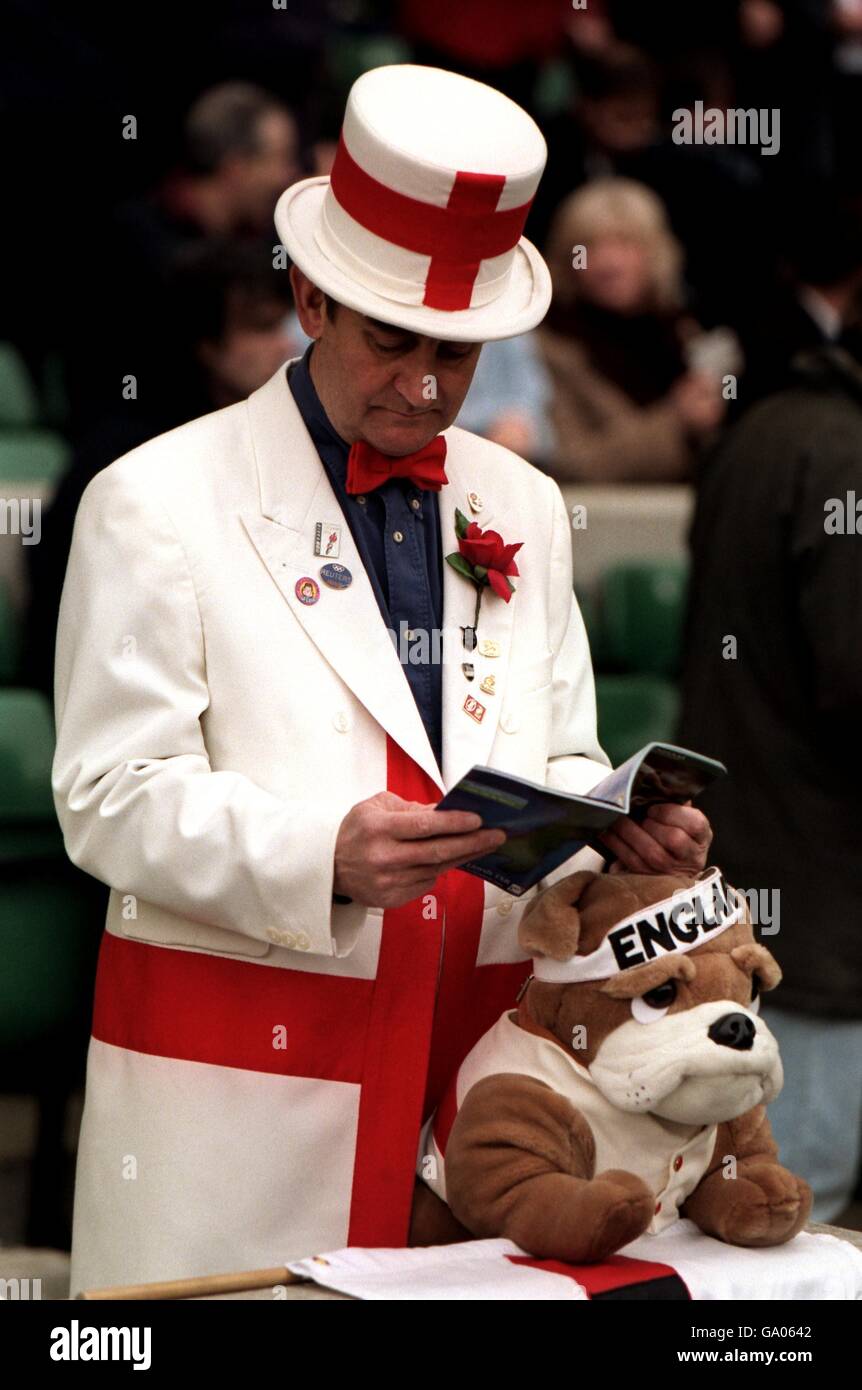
{"type": "Point", "coordinates": [309, 303]}
{"type": "Point", "coordinates": [551, 924]}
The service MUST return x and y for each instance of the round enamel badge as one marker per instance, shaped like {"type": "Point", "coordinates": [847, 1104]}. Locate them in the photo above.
{"type": "Point", "coordinates": [307, 589]}
{"type": "Point", "coordinates": [336, 576]}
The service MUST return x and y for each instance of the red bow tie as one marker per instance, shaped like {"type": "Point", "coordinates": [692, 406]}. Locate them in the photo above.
{"type": "Point", "coordinates": [367, 468]}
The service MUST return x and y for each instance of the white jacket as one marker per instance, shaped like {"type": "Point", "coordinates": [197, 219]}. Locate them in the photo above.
{"type": "Point", "coordinates": [212, 732]}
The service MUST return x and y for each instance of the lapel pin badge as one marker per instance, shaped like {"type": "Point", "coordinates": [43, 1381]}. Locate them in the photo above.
{"type": "Point", "coordinates": [475, 501]}
{"type": "Point", "coordinates": [488, 647]}
{"type": "Point", "coordinates": [489, 685]}
{"type": "Point", "coordinates": [336, 576]}
{"type": "Point", "coordinates": [469, 636]}
{"type": "Point", "coordinates": [327, 539]}
{"type": "Point", "coordinates": [474, 709]}
{"type": "Point", "coordinates": [307, 590]}
{"type": "Point", "coordinates": [469, 669]}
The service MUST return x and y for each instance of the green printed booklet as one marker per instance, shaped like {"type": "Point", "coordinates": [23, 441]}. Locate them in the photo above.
{"type": "Point", "coordinates": [545, 827]}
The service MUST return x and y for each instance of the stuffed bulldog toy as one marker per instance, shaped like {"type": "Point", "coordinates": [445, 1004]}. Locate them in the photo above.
{"type": "Point", "coordinates": [629, 1086]}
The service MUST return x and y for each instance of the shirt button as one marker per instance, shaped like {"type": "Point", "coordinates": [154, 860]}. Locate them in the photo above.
{"type": "Point", "coordinates": [410, 634]}
{"type": "Point", "coordinates": [415, 503]}
{"type": "Point", "coordinates": [341, 721]}
{"type": "Point", "coordinates": [677, 1163]}
{"type": "Point", "coordinates": [361, 499]}
{"type": "Point", "coordinates": [398, 537]}
{"type": "Point", "coordinates": [509, 722]}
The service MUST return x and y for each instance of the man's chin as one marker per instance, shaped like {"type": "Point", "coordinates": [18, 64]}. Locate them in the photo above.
{"type": "Point", "coordinates": [397, 435]}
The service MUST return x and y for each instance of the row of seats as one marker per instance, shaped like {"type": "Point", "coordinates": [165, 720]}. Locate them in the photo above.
{"type": "Point", "coordinates": [31, 450]}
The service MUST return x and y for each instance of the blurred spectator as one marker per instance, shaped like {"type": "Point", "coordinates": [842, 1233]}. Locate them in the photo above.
{"type": "Point", "coordinates": [229, 333]}
{"type": "Point", "coordinates": [773, 687]}
{"type": "Point", "coordinates": [820, 275]}
{"type": "Point", "coordinates": [502, 45]}
{"type": "Point", "coordinates": [240, 150]}
{"type": "Point", "coordinates": [618, 123]}
{"type": "Point", "coordinates": [625, 406]}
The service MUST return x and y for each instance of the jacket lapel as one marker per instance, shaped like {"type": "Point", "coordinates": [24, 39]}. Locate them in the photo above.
{"type": "Point", "coordinates": [467, 739]}
{"type": "Point", "coordinates": [345, 625]}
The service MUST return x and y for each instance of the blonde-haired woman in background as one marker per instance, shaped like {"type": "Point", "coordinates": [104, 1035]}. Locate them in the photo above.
{"type": "Point", "coordinates": [637, 385]}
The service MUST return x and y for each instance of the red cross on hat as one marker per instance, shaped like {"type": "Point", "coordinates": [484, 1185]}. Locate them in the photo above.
{"type": "Point", "coordinates": [420, 222]}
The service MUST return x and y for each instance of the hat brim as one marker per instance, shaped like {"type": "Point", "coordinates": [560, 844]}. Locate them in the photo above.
{"type": "Point", "coordinates": [521, 306]}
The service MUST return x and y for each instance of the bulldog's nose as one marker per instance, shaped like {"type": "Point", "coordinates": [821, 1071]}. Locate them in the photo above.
{"type": "Point", "coordinates": [733, 1030]}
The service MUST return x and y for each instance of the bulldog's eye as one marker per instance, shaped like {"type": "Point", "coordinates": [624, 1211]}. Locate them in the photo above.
{"type": "Point", "coordinates": [649, 1007]}
{"type": "Point", "coordinates": [754, 1006]}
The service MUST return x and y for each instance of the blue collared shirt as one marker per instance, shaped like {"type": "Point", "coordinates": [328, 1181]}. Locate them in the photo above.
{"type": "Point", "coordinates": [407, 574]}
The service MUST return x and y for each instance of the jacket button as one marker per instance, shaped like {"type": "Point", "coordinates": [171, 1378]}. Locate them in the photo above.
{"type": "Point", "coordinates": [505, 907]}
{"type": "Point", "coordinates": [274, 935]}
{"type": "Point", "coordinates": [341, 720]}
{"type": "Point", "coordinates": [509, 722]}
{"type": "Point", "coordinates": [288, 939]}
{"type": "Point", "coordinates": [677, 1163]}
{"type": "Point", "coordinates": [303, 941]}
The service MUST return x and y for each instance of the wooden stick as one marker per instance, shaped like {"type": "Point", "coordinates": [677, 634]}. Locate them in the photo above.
{"type": "Point", "coordinates": [204, 1287]}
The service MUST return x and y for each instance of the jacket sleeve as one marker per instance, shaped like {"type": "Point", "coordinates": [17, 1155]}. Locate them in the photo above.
{"type": "Point", "coordinates": [829, 582]}
{"type": "Point", "coordinates": [602, 436]}
{"type": "Point", "coordinates": [140, 807]}
{"type": "Point", "coordinates": [577, 760]}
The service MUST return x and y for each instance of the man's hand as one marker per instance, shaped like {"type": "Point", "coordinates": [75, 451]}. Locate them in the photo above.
{"type": "Point", "coordinates": [671, 839]}
{"type": "Point", "coordinates": [389, 851]}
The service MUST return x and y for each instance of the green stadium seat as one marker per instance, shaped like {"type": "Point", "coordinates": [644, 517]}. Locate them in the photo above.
{"type": "Point", "coordinates": [28, 822]}
{"type": "Point", "coordinates": [642, 614]}
{"type": "Point", "coordinates": [19, 403]}
{"type": "Point", "coordinates": [634, 710]}
{"type": "Point", "coordinates": [49, 940]}
{"type": "Point", "coordinates": [32, 456]}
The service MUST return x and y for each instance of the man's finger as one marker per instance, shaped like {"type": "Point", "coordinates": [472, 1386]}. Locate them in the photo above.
{"type": "Point", "coordinates": [427, 823]}
{"type": "Point", "coordinates": [626, 856]}
{"type": "Point", "coordinates": [648, 847]}
{"type": "Point", "coordinates": [444, 850]}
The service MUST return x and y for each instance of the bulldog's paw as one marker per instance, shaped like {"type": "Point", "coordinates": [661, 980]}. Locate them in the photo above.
{"type": "Point", "coordinates": [621, 1207]}
{"type": "Point", "coordinates": [766, 1205]}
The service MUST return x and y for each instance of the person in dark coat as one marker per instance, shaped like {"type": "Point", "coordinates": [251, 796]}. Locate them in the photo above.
{"type": "Point", "coordinates": [772, 685]}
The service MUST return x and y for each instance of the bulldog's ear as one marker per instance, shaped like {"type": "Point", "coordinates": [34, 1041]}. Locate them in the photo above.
{"type": "Point", "coordinates": [551, 924]}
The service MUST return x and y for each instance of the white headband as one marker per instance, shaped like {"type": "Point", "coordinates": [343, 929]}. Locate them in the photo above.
{"type": "Point", "coordinates": [679, 923]}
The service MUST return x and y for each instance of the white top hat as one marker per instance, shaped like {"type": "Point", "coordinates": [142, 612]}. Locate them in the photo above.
{"type": "Point", "coordinates": [419, 223]}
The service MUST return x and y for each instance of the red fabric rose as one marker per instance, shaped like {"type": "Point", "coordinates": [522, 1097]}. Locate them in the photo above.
{"type": "Point", "coordinates": [489, 550]}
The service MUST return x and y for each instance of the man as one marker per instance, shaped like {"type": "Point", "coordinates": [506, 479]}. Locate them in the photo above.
{"type": "Point", "coordinates": [293, 962]}
{"type": "Point", "coordinates": [773, 686]}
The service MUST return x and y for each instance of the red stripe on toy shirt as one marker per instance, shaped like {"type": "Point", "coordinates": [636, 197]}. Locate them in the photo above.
{"type": "Point", "coordinates": [457, 237]}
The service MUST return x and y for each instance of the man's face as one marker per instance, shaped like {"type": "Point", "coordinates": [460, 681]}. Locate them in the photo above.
{"type": "Point", "coordinates": [394, 389]}
{"type": "Point", "coordinates": [259, 178]}
{"type": "Point", "coordinates": [253, 345]}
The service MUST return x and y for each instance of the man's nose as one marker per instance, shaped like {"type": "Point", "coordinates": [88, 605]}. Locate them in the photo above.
{"type": "Point", "coordinates": [417, 384]}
